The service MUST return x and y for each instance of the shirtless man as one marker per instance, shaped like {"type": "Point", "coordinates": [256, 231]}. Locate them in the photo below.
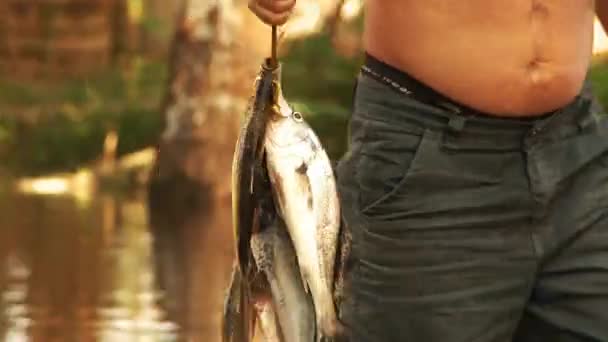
{"type": "Point", "coordinates": [476, 182]}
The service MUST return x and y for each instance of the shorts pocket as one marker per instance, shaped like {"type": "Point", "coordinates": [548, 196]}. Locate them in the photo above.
{"type": "Point", "coordinates": [386, 162]}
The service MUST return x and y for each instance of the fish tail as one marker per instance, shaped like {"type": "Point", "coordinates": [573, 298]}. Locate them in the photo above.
{"type": "Point", "coordinates": [230, 314]}
{"type": "Point", "coordinates": [238, 319]}
{"type": "Point", "coordinates": [328, 326]}
{"type": "Point", "coordinates": [304, 282]}
{"type": "Point", "coordinates": [248, 314]}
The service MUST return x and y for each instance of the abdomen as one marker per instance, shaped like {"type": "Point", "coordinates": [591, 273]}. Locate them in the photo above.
{"type": "Point", "coordinates": [510, 58]}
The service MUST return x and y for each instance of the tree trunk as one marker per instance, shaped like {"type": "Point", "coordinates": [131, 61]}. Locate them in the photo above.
{"type": "Point", "coordinates": [211, 77]}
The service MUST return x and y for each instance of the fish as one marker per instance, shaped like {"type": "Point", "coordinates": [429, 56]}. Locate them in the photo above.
{"type": "Point", "coordinates": [238, 317]}
{"type": "Point", "coordinates": [278, 300]}
{"type": "Point", "coordinates": [282, 180]}
{"type": "Point", "coordinates": [247, 163]}
{"type": "Point", "coordinates": [305, 193]}
{"type": "Point", "coordinates": [267, 319]}
{"type": "Point", "coordinates": [276, 258]}
{"type": "Point", "coordinates": [250, 194]}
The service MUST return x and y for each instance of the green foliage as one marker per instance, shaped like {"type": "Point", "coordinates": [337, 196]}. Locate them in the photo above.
{"type": "Point", "coordinates": [46, 128]}
{"type": "Point", "coordinates": [599, 77]}
{"type": "Point", "coordinates": [320, 83]}
{"type": "Point", "coordinates": [155, 26]}
{"type": "Point", "coordinates": [69, 120]}
{"type": "Point", "coordinates": [314, 71]}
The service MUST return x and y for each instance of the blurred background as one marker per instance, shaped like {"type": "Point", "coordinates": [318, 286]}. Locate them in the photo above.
{"type": "Point", "coordinates": [118, 120]}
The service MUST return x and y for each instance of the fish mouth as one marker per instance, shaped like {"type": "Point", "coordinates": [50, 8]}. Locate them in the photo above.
{"type": "Point", "coordinates": [280, 108]}
{"type": "Point", "coordinates": [269, 66]}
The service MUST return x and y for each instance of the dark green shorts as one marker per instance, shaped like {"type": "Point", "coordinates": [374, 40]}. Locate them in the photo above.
{"type": "Point", "coordinates": [473, 228]}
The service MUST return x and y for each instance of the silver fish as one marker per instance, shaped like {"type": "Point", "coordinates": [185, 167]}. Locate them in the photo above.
{"type": "Point", "coordinates": [251, 202]}
{"type": "Point", "coordinates": [247, 166]}
{"type": "Point", "coordinates": [267, 320]}
{"type": "Point", "coordinates": [266, 287]}
{"type": "Point", "coordinates": [305, 193]}
{"type": "Point", "coordinates": [238, 316]}
{"type": "Point", "coordinates": [275, 257]}
{"type": "Point", "coordinates": [277, 301]}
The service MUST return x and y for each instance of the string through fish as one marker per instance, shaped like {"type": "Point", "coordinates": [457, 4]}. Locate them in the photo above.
{"type": "Point", "coordinates": [273, 52]}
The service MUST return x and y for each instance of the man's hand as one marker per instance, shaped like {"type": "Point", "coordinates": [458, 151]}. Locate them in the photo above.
{"type": "Point", "coordinates": [601, 10]}
{"type": "Point", "coordinates": [272, 12]}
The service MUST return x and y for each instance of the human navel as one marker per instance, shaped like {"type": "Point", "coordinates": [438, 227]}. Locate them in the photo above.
{"type": "Point", "coordinates": [539, 11]}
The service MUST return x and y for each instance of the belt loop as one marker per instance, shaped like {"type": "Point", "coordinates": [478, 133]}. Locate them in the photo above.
{"type": "Point", "coordinates": [457, 121]}
{"type": "Point", "coordinates": [354, 93]}
{"type": "Point", "coordinates": [588, 113]}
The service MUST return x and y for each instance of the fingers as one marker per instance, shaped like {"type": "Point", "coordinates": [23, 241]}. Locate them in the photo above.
{"type": "Point", "coordinates": [272, 12]}
{"type": "Point", "coordinates": [277, 6]}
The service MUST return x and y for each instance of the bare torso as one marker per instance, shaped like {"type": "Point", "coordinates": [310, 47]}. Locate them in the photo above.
{"type": "Point", "coordinates": [508, 58]}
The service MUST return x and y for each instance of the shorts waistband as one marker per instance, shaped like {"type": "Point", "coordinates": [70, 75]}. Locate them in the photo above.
{"type": "Point", "coordinates": [419, 105]}
{"type": "Point", "coordinates": [406, 84]}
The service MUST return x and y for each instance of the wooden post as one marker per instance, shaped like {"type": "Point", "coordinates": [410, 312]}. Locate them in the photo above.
{"type": "Point", "coordinates": [212, 68]}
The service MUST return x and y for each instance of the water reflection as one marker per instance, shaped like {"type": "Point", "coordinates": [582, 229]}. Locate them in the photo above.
{"type": "Point", "coordinates": [13, 299]}
{"type": "Point", "coordinates": [100, 273]}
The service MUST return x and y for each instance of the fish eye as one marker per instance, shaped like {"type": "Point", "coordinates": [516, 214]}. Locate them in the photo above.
{"type": "Point", "coordinates": [298, 116]}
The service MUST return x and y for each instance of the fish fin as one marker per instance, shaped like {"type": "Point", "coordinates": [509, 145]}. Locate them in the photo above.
{"type": "Point", "coordinates": [230, 312]}
{"type": "Point", "coordinates": [237, 315]}
{"type": "Point", "coordinates": [304, 282]}
{"type": "Point", "coordinates": [246, 159]}
{"type": "Point", "coordinates": [261, 249]}
{"type": "Point", "coordinates": [247, 322]}
{"type": "Point", "coordinates": [252, 180]}
{"type": "Point", "coordinates": [302, 168]}
{"type": "Point", "coordinates": [252, 321]}
{"type": "Point", "coordinates": [267, 318]}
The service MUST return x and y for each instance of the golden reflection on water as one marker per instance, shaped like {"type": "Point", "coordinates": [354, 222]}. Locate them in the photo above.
{"type": "Point", "coordinates": [101, 273]}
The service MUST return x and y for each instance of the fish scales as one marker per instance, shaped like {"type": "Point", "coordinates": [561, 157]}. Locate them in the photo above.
{"type": "Point", "coordinates": [306, 198]}
{"type": "Point", "coordinates": [275, 257]}
{"type": "Point", "coordinates": [248, 168]}
{"type": "Point", "coordinates": [247, 158]}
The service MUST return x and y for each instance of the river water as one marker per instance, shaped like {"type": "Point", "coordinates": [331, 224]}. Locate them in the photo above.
{"type": "Point", "coordinates": [95, 270]}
